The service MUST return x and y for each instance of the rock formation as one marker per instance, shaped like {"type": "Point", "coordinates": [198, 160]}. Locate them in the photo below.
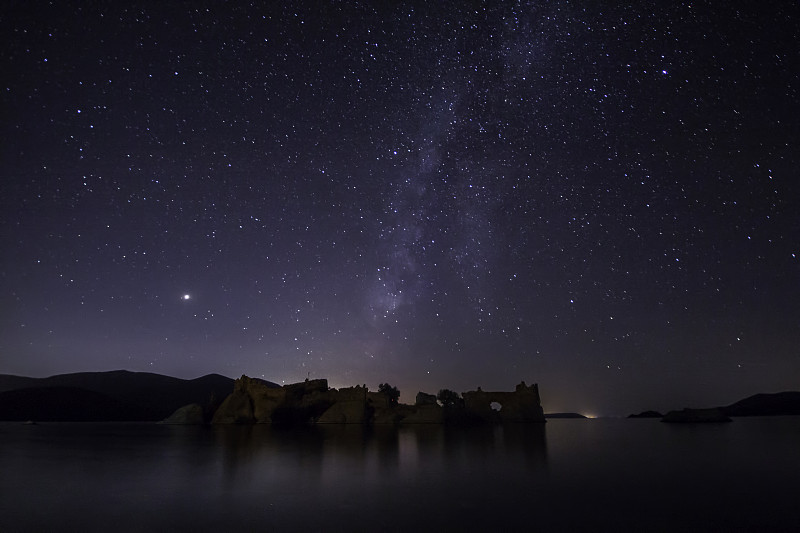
{"type": "Point", "coordinates": [312, 402]}
{"type": "Point", "coordinates": [425, 399]}
{"type": "Point", "coordinates": [522, 405]}
{"type": "Point", "coordinates": [350, 407]}
{"type": "Point", "coordinates": [188, 415]}
{"type": "Point", "coordinates": [424, 414]}
{"type": "Point", "coordinates": [254, 402]}
{"type": "Point", "coordinates": [426, 410]}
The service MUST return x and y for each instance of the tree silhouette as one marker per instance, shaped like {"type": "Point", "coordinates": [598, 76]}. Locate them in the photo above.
{"type": "Point", "coordinates": [392, 393]}
{"type": "Point", "coordinates": [449, 398]}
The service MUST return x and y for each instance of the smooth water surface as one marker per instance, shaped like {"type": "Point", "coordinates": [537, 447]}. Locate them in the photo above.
{"type": "Point", "coordinates": [566, 475]}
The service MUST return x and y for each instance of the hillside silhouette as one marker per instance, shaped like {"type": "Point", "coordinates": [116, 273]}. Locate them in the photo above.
{"type": "Point", "coordinates": [118, 395]}
{"type": "Point", "coordinates": [777, 404]}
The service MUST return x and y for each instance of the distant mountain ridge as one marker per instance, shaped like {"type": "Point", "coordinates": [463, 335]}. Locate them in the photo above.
{"type": "Point", "coordinates": [765, 404]}
{"type": "Point", "coordinates": [776, 404]}
{"type": "Point", "coordinates": [105, 396]}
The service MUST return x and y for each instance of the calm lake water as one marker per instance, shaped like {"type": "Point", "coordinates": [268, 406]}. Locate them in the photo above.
{"type": "Point", "coordinates": [568, 475]}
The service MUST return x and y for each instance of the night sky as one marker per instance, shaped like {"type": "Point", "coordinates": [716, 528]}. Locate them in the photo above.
{"type": "Point", "coordinates": [602, 199]}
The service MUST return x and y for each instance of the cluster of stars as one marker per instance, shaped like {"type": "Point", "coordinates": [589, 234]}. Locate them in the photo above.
{"type": "Point", "coordinates": [432, 195]}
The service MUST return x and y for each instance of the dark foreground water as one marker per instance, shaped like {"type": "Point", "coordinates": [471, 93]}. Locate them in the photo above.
{"type": "Point", "coordinates": [568, 475]}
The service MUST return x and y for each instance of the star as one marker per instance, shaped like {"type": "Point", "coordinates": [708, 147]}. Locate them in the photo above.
{"type": "Point", "coordinates": [490, 210]}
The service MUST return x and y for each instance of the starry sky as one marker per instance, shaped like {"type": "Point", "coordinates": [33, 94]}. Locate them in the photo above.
{"type": "Point", "coordinates": [601, 198]}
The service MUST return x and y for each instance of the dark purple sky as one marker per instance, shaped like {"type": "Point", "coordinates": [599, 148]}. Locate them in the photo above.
{"type": "Point", "coordinates": [600, 199]}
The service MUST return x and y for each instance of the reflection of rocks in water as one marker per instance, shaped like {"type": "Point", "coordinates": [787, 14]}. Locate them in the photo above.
{"type": "Point", "coordinates": [367, 449]}
{"type": "Point", "coordinates": [452, 445]}
{"type": "Point", "coordinates": [528, 441]}
{"type": "Point", "coordinates": [387, 446]}
{"type": "Point", "coordinates": [268, 455]}
{"type": "Point", "coordinates": [524, 440]}
{"type": "Point", "coordinates": [238, 447]}
{"type": "Point", "coordinates": [247, 449]}
{"type": "Point", "coordinates": [199, 439]}
{"type": "Point", "coordinates": [348, 438]}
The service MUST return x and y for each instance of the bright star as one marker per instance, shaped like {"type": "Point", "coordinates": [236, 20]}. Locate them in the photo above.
{"type": "Point", "coordinates": [186, 297]}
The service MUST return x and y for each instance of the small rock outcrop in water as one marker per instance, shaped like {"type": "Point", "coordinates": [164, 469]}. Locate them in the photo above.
{"type": "Point", "coordinates": [713, 414]}
{"type": "Point", "coordinates": [647, 414]}
{"type": "Point", "coordinates": [312, 402]}
{"type": "Point", "coordinates": [188, 415]}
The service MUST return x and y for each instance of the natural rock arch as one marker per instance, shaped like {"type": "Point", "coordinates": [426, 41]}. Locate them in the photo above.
{"type": "Point", "coordinates": [522, 405]}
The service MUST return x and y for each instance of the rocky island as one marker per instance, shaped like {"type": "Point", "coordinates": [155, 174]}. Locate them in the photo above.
{"type": "Point", "coordinates": [785, 403]}
{"type": "Point", "coordinates": [313, 402]}
{"type": "Point", "coordinates": [647, 414]}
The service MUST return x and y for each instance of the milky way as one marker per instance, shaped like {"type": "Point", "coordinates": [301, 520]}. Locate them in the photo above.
{"type": "Point", "coordinates": [600, 199]}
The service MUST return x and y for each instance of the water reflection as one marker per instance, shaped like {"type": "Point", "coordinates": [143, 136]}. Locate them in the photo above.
{"type": "Point", "coordinates": [621, 474]}
{"type": "Point", "coordinates": [316, 476]}
{"type": "Point", "coordinates": [325, 455]}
